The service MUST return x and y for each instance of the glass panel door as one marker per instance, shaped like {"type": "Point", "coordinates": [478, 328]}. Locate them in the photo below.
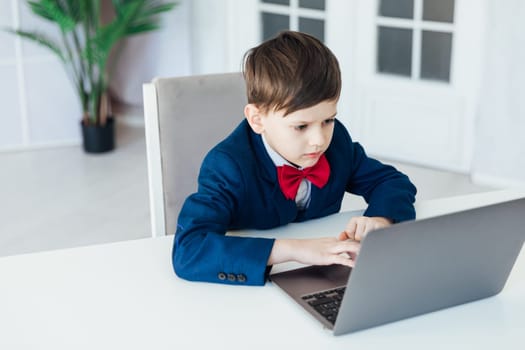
{"type": "Point", "coordinates": [306, 16]}
{"type": "Point", "coordinates": [415, 38]}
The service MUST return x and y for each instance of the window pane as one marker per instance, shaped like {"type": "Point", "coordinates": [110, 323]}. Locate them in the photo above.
{"type": "Point", "coordinates": [312, 4]}
{"type": "Point", "coordinates": [312, 26]}
{"type": "Point", "coordinates": [273, 23]}
{"type": "Point", "coordinates": [397, 8]}
{"type": "Point", "coordinates": [394, 51]}
{"type": "Point", "coordinates": [436, 49]}
{"type": "Point", "coordinates": [280, 2]}
{"type": "Point", "coordinates": [438, 10]}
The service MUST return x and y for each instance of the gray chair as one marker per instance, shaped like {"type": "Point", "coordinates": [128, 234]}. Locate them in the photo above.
{"type": "Point", "coordinates": [184, 118]}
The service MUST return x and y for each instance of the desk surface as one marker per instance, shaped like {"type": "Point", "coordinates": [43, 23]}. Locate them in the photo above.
{"type": "Point", "coordinates": [125, 295]}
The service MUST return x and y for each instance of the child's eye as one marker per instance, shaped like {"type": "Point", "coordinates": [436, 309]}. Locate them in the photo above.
{"type": "Point", "coordinates": [329, 121]}
{"type": "Point", "coordinates": [300, 127]}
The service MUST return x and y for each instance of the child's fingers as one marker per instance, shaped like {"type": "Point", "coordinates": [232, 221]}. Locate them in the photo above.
{"type": "Point", "coordinates": [358, 227]}
{"type": "Point", "coordinates": [346, 247]}
{"type": "Point", "coordinates": [350, 229]}
{"type": "Point", "coordinates": [343, 259]}
{"type": "Point", "coordinates": [343, 236]}
{"type": "Point", "coordinates": [367, 227]}
{"type": "Point", "coordinates": [361, 228]}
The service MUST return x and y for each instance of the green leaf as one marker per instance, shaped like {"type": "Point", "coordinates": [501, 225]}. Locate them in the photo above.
{"type": "Point", "coordinates": [40, 39]}
{"type": "Point", "coordinates": [87, 42]}
{"type": "Point", "coordinates": [73, 8]}
{"type": "Point", "coordinates": [49, 9]}
{"type": "Point", "coordinates": [107, 36]}
{"type": "Point", "coordinates": [89, 10]}
{"type": "Point", "coordinates": [118, 5]}
{"type": "Point", "coordinates": [142, 28]}
{"type": "Point", "coordinates": [40, 10]}
{"type": "Point", "coordinates": [146, 20]}
{"type": "Point", "coordinates": [157, 9]}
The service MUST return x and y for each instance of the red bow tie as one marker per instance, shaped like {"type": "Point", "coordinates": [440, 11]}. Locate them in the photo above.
{"type": "Point", "coordinates": [290, 178]}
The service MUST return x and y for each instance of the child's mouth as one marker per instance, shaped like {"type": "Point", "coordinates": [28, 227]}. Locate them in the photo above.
{"type": "Point", "coordinates": [313, 155]}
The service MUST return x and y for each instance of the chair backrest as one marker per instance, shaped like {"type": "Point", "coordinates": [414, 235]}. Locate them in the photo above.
{"type": "Point", "coordinates": [184, 118]}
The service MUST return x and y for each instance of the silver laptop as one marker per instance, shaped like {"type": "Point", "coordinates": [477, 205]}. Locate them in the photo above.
{"type": "Point", "coordinates": [413, 268]}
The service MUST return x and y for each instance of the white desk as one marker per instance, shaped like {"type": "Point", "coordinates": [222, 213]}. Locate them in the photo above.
{"type": "Point", "coordinates": [125, 296]}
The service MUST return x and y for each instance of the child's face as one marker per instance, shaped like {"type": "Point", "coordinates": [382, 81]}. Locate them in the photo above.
{"type": "Point", "coordinates": [300, 137]}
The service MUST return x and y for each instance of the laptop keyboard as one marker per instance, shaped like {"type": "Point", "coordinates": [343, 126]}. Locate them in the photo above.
{"type": "Point", "coordinates": [326, 303]}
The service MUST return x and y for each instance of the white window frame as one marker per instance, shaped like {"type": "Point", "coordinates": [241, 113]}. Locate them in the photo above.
{"type": "Point", "coordinates": [417, 25]}
{"type": "Point", "coordinates": [293, 11]}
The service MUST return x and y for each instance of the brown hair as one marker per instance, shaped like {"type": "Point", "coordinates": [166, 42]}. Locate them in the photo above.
{"type": "Point", "coordinates": [291, 71]}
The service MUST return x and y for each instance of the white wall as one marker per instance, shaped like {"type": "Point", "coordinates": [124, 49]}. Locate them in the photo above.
{"type": "Point", "coordinates": [209, 36]}
{"type": "Point", "coordinates": [166, 52]}
{"type": "Point", "coordinates": [499, 151]}
{"type": "Point", "coordinates": [218, 45]}
{"type": "Point", "coordinates": [498, 154]}
{"type": "Point", "coordinates": [39, 107]}
{"type": "Point", "coordinates": [198, 38]}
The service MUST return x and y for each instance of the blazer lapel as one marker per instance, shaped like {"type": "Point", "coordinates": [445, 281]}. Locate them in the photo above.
{"type": "Point", "coordinates": [286, 209]}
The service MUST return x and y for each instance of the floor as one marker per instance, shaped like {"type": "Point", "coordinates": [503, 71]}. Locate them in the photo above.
{"type": "Point", "coordinates": [61, 197]}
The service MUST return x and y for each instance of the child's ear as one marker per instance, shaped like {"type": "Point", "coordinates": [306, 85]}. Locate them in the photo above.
{"type": "Point", "coordinates": [254, 117]}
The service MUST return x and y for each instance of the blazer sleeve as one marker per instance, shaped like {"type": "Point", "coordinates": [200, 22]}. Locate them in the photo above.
{"type": "Point", "coordinates": [388, 192]}
{"type": "Point", "coordinates": [201, 249]}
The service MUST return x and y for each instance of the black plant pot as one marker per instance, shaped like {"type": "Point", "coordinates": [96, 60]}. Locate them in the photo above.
{"type": "Point", "coordinates": [99, 139]}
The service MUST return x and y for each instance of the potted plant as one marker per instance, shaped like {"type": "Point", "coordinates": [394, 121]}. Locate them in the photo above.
{"type": "Point", "coordinates": [84, 48]}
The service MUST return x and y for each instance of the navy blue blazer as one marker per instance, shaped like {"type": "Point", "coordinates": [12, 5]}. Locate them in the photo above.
{"type": "Point", "coordinates": [238, 189]}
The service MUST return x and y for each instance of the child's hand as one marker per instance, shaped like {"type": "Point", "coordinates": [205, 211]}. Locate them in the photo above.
{"type": "Point", "coordinates": [359, 226]}
{"type": "Point", "coordinates": [319, 251]}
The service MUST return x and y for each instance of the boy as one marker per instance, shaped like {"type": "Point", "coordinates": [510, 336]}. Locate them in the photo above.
{"type": "Point", "coordinates": [290, 160]}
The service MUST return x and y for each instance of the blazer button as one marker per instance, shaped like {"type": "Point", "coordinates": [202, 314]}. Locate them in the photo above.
{"type": "Point", "coordinates": [231, 277]}
{"type": "Point", "coordinates": [241, 278]}
{"type": "Point", "coordinates": [221, 276]}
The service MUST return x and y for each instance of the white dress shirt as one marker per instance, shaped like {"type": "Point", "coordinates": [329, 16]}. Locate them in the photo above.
{"type": "Point", "coordinates": [303, 194]}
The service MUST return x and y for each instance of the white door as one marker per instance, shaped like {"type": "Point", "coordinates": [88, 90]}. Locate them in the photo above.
{"type": "Point", "coordinates": [410, 69]}
{"type": "Point", "coordinates": [416, 78]}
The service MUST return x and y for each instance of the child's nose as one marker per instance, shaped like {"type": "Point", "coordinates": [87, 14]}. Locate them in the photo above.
{"type": "Point", "coordinates": [317, 139]}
